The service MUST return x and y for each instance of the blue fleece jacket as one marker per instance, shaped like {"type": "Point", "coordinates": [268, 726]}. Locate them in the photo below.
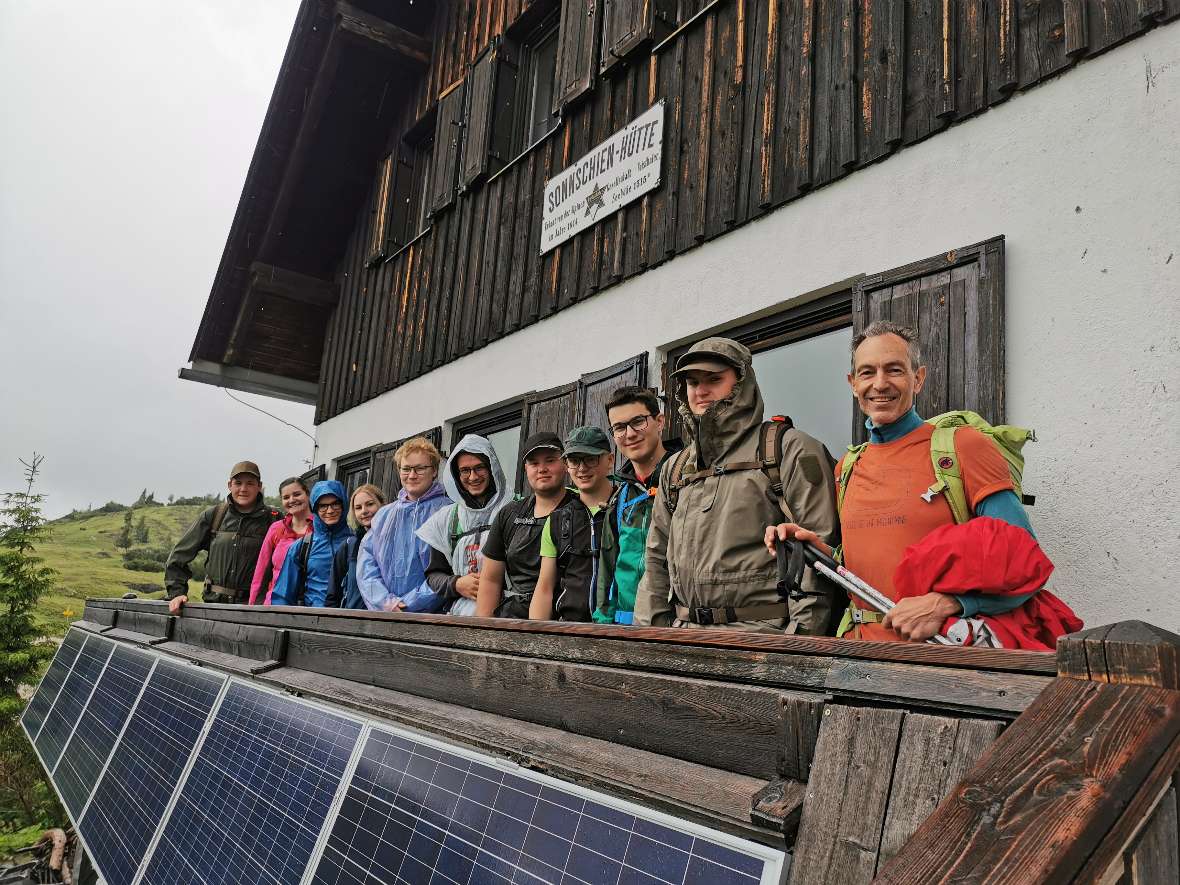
{"type": "Point", "coordinates": [325, 540]}
{"type": "Point", "coordinates": [1002, 505]}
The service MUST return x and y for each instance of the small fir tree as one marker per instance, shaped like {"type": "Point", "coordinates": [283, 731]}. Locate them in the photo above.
{"type": "Point", "coordinates": [23, 650]}
{"type": "Point", "coordinates": [141, 531]}
{"type": "Point", "coordinates": [123, 539]}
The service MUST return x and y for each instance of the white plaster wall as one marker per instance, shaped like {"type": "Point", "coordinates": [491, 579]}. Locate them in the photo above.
{"type": "Point", "coordinates": [1082, 175]}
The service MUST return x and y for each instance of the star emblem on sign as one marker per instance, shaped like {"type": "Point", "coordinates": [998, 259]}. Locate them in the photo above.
{"type": "Point", "coordinates": [597, 199]}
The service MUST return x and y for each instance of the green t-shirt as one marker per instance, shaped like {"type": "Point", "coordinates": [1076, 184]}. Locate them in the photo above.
{"type": "Point", "coordinates": [548, 548]}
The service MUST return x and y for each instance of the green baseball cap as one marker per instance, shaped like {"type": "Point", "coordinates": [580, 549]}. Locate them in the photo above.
{"type": "Point", "coordinates": [588, 440]}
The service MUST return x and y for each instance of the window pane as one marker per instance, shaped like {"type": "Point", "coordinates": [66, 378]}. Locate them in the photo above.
{"type": "Point", "coordinates": [807, 381]}
{"type": "Point", "coordinates": [506, 442]}
{"type": "Point", "coordinates": [543, 70]}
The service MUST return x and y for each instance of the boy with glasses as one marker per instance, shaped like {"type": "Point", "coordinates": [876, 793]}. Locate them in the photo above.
{"type": "Point", "coordinates": [637, 427]}
{"type": "Point", "coordinates": [391, 566]}
{"type": "Point", "coordinates": [512, 551]}
{"type": "Point", "coordinates": [570, 538]}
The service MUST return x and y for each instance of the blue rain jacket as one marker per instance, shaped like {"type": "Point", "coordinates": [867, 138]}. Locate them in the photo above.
{"type": "Point", "coordinates": [325, 540]}
{"type": "Point", "coordinates": [393, 559]}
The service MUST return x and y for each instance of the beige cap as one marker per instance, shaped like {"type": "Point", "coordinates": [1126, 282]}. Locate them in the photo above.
{"type": "Point", "coordinates": [246, 467]}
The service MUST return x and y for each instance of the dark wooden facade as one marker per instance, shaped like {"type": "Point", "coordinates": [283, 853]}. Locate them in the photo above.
{"type": "Point", "coordinates": [887, 762]}
{"type": "Point", "coordinates": [766, 100]}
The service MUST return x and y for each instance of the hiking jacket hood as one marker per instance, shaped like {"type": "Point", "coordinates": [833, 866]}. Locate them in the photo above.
{"type": "Point", "coordinates": [233, 554]}
{"type": "Point", "coordinates": [709, 553]}
{"type": "Point", "coordinates": [393, 559]}
{"type": "Point", "coordinates": [447, 529]}
{"type": "Point", "coordinates": [324, 540]}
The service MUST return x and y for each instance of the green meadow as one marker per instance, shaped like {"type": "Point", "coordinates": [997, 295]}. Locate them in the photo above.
{"type": "Point", "coordinates": [82, 551]}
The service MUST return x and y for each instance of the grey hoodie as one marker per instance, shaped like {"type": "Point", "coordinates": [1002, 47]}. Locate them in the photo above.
{"type": "Point", "coordinates": [460, 517]}
{"type": "Point", "coordinates": [709, 553]}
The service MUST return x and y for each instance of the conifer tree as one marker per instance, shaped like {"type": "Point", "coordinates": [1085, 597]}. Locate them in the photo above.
{"type": "Point", "coordinates": [141, 531]}
{"type": "Point", "coordinates": [123, 539]}
{"type": "Point", "coordinates": [23, 580]}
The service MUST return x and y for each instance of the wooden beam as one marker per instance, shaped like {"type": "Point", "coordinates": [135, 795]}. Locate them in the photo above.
{"type": "Point", "coordinates": [376, 31]}
{"type": "Point", "coordinates": [1058, 782]}
{"type": "Point", "coordinates": [308, 127]}
{"type": "Point", "coordinates": [1127, 653]}
{"type": "Point", "coordinates": [293, 285]}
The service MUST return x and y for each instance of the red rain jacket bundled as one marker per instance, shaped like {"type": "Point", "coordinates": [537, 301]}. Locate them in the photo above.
{"type": "Point", "coordinates": [989, 556]}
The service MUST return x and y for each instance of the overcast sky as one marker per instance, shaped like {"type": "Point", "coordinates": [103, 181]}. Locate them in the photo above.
{"type": "Point", "coordinates": [127, 130]}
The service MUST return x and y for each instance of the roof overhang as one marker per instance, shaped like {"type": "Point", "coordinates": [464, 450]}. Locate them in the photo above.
{"type": "Point", "coordinates": [329, 119]}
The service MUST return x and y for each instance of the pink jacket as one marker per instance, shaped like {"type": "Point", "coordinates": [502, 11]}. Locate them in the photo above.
{"type": "Point", "coordinates": [278, 538]}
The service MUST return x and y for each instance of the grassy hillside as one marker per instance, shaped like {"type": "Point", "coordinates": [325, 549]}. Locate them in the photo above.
{"type": "Point", "coordinates": [83, 552]}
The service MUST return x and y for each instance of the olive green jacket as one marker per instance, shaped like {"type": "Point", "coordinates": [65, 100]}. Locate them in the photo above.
{"type": "Point", "coordinates": [710, 552]}
{"type": "Point", "coordinates": [232, 553]}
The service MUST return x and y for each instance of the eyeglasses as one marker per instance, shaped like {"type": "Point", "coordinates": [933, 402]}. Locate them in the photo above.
{"type": "Point", "coordinates": [328, 505]}
{"type": "Point", "coordinates": [638, 423]}
{"type": "Point", "coordinates": [576, 461]}
{"type": "Point", "coordinates": [472, 471]}
{"type": "Point", "coordinates": [416, 469]}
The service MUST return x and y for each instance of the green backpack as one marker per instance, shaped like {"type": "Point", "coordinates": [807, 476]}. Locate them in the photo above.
{"type": "Point", "coordinates": [948, 480]}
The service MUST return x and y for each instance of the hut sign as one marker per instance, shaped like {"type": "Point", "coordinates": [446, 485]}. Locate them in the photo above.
{"type": "Point", "coordinates": [621, 169]}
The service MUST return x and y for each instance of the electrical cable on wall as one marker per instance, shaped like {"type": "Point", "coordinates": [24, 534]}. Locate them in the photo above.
{"type": "Point", "coordinates": [277, 418]}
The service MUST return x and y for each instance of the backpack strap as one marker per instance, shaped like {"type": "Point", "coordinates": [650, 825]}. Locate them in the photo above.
{"type": "Point", "coordinates": [770, 452]}
{"type": "Point", "coordinates": [850, 458]}
{"type": "Point", "coordinates": [671, 493]}
{"type": "Point", "coordinates": [948, 474]}
{"type": "Point", "coordinates": [218, 517]}
{"type": "Point", "coordinates": [304, 562]}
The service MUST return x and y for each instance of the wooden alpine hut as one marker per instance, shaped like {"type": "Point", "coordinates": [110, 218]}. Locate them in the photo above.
{"type": "Point", "coordinates": [484, 216]}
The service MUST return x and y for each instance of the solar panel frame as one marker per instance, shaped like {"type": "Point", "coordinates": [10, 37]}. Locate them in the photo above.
{"type": "Point", "coordinates": [115, 695]}
{"type": "Point", "coordinates": [71, 701]}
{"type": "Point", "coordinates": [316, 765]}
{"type": "Point", "coordinates": [456, 843]}
{"type": "Point", "coordinates": [690, 853]}
{"type": "Point", "coordinates": [121, 811]}
{"type": "Point", "coordinates": [55, 676]}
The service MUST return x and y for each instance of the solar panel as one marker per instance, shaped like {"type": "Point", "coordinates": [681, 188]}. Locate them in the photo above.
{"type": "Point", "coordinates": [86, 754]}
{"type": "Point", "coordinates": [128, 805]}
{"type": "Point", "coordinates": [38, 708]}
{"type": "Point", "coordinates": [257, 797]}
{"type": "Point", "coordinates": [71, 700]}
{"type": "Point", "coordinates": [217, 780]}
{"type": "Point", "coordinates": [419, 812]}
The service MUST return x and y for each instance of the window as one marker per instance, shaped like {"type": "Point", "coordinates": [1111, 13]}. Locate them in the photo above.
{"type": "Point", "coordinates": [420, 153]}
{"type": "Point", "coordinates": [800, 360]}
{"type": "Point", "coordinates": [538, 69]}
{"type": "Point", "coordinates": [500, 425]}
{"type": "Point", "coordinates": [353, 469]}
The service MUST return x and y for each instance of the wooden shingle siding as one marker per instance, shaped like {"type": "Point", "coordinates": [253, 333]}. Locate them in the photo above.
{"type": "Point", "coordinates": [764, 101]}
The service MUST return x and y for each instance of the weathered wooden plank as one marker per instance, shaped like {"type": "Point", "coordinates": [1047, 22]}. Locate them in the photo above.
{"type": "Point", "coordinates": [505, 302]}
{"type": "Point", "coordinates": [625, 255]}
{"type": "Point", "coordinates": [845, 107]}
{"type": "Point", "coordinates": [1077, 28]}
{"type": "Point", "coordinates": [769, 101]}
{"type": "Point", "coordinates": [916, 685]}
{"type": "Point", "coordinates": [1002, 50]}
{"type": "Point", "coordinates": [1041, 34]}
{"type": "Point", "coordinates": [374, 623]}
{"type": "Point", "coordinates": [934, 754]}
{"type": "Point", "coordinates": [685, 789]}
{"type": "Point", "coordinates": [146, 623]}
{"type": "Point", "coordinates": [535, 279]}
{"type": "Point", "coordinates": [487, 298]}
{"type": "Point", "coordinates": [945, 100]}
{"type": "Point", "coordinates": [923, 51]}
{"type": "Point", "coordinates": [104, 617]}
{"type": "Point", "coordinates": [1130, 652]}
{"type": "Point", "coordinates": [847, 795]}
{"type": "Point", "coordinates": [673, 137]}
{"type": "Point", "coordinates": [695, 127]}
{"type": "Point", "coordinates": [806, 129]}
{"type": "Point", "coordinates": [219, 660]}
{"type": "Point", "coordinates": [1049, 788]}
{"type": "Point", "coordinates": [239, 640]}
{"type": "Point", "coordinates": [472, 282]}
{"type": "Point", "coordinates": [1156, 856]}
{"type": "Point", "coordinates": [801, 726]}
{"type": "Point", "coordinates": [729, 83]}
{"type": "Point", "coordinates": [688, 718]}
{"type": "Point", "coordinates": [522, 238]}
{"type": "Point", "coordinates": [970, 64]}
{"type": "Point", "coordinates": [779, 805]}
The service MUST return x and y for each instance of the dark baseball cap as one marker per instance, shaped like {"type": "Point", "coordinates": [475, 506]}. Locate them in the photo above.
{"type": "Point", "coordinates": [543, 439]}
{"type": "Point", "coordinates": [587, 440]}
{"type": "Point", "coordinates": [246, 467]}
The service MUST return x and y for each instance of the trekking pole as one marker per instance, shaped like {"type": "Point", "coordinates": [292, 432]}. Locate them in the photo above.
{"type": "Point", "coordinates": [792, 550]}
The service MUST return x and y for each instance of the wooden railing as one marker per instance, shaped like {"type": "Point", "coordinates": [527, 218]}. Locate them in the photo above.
{"type": "Point", "coordinates": [900, 762]}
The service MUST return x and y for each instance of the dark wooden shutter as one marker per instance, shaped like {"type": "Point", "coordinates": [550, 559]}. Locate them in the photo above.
{"type": "Point", "coordinates": [577, 43]}
{"type": "Point", "coordinates": [481, 84]}
{"type": "Point", "coordinates": [596, 388]}
{"type": "Point", "coordinates": [554, 410]}
{"type": "Point", "coordinates": [382, 203]}
{"type": "Point", "coordinates": [627, 24]}
{"type": "Point", "coordinates": [401, 228]}
{"type": "Point", "coordinates": [383, 471]}
{"type": "Point", "coordinates": [956, 302]}
{"type": "Point", "coordinates": [316, 474]}
{"type": "Point", "coordinates": [448, 139]}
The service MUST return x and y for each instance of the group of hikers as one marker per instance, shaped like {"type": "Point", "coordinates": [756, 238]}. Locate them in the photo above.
{"type": "Point", "coordinates": [928, 513]}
